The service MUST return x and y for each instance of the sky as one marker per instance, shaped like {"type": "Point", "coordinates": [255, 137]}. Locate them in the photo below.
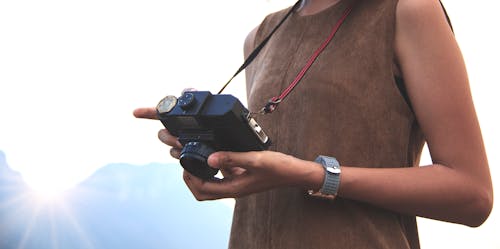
{"type": "Point", "coordinates": [72, 72]}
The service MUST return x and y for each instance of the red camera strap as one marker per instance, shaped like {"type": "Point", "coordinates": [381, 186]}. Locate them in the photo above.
{"type": "Point", "coordinates": [273, 103]}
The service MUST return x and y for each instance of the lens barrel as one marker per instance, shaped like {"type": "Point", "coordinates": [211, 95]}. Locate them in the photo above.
{"type": "Point", "coordinates": [194, 157]}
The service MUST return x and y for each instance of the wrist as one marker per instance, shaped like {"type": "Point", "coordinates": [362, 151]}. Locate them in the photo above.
{"type": "Point", "coordinates": [331, 179]}
{"type": "Point", "coordinates": [313, 176]}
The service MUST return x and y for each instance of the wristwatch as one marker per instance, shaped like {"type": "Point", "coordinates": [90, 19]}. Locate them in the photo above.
{"type": "Point", "coordinates": [332, 178]}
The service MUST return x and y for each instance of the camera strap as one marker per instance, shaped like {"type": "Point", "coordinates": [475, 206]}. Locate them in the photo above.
{"type": "Point", "coordinates": [257, 50]}
{"type": "Point", "coordinates": [273, 103]}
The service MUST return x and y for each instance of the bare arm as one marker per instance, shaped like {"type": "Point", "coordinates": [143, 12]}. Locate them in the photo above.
{"type": "Point", "coordinates": [456, 188]}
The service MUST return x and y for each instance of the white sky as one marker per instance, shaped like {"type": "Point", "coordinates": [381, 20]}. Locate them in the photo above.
{"type": "Point", "coordinates": [71, 72]}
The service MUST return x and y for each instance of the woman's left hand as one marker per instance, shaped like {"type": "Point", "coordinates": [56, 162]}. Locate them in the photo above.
{"type": "Point", "coordinates": [251, 172]}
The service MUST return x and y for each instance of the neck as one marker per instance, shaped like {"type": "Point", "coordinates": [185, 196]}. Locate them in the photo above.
{"type": "Point", "coordinates": [310, 7]}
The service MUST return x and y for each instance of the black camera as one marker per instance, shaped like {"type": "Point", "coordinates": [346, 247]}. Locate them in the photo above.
{"type": "Point", "coordinates": [206, 123]}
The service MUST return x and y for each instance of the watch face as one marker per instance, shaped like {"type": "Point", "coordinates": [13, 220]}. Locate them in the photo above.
{"type": "Point", "coordinates": [333, 170]}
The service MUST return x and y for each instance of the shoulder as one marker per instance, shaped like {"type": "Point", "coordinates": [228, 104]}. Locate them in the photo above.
{"type": "Point", "coordinates": [250, 41]}
{"type": "Point", "coordinates": [418, 5]}
{"type": "Point", "coordinates": [256, 34]}
{"type": "Point", "coordinates": [421, 25]}
{"type": "Point", "coordinates": [419, 12]}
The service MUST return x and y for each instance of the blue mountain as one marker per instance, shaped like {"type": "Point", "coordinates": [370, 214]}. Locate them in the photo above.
{"type": "Point", "coordinates": [120, 206]}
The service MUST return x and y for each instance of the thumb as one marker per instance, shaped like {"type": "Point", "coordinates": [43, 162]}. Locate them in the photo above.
{"type": "Point", "coordinates": [226, 159]}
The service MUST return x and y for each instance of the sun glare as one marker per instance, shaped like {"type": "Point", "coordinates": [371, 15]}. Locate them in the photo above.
{"type": "Point", "coordinates": [47, 191]}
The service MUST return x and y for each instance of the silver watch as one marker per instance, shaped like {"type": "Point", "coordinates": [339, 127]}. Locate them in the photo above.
{"type": "Point", "coordinates": [331, 182]}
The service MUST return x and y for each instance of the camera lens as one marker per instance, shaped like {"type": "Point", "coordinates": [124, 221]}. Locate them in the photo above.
{"type": "Point", "coordinates": [194, 157]}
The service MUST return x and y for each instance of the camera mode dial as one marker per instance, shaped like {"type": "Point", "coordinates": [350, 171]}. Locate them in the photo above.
{"type": "Point", "coordinates": [186, 101]}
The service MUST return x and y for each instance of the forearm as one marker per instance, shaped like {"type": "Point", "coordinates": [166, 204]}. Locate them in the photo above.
{"type": "Point", "coordinates": [435, 191]}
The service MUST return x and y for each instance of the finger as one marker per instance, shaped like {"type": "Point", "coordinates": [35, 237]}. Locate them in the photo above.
{"type": "Point", "coordinates": [232, 172]}
{"type": "Point", "coordinates": [146, 112]}
{"type": "Point", "coordinates": [195, 185]}
{"type": "Point", "coordinates": [175, 152]}
{"type": "Point", "coordinates": [189, 89]}
{"type": "Point", "coordinates": [189, 183]}
{"type": "Point", "coordinates": [228, 160]}
{"type": "Point", "coordinates": [210, 190]}
{"type": "Point", "coordinates": [168, 139]}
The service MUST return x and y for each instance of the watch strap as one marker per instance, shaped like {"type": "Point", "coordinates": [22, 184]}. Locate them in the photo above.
{"type": "Point", "coordinates": [331, 181]}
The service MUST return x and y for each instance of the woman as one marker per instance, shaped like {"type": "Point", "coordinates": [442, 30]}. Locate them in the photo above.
{"type": "Point", "coordinates": [349, 106]}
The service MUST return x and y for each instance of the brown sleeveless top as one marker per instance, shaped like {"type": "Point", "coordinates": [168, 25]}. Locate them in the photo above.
{"type": "Point", "coordinates": [347, 106]}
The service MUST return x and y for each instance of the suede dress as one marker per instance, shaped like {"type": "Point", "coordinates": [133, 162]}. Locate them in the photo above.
{"type": "Point", "coordinates": [347, 106]}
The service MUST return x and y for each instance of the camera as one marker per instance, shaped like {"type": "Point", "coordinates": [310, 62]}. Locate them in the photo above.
{"type": "Point", "coordinates": [205, 123]}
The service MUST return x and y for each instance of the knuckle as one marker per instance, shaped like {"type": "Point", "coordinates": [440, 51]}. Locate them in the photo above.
{"type": "Point", "coordinates": [199, 195]}
{"type": "Point", "coordinates": [286, 159]}
{"type": "Point", "coordinates": [226, 159]}
{"type": "Point", "coordinates": [255, 159]}
{"type": "Point", "coordinates": [237, 194]}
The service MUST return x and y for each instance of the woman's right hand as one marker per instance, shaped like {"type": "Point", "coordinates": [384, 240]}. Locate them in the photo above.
{"type": "Point", "coordinates": [163, 134]}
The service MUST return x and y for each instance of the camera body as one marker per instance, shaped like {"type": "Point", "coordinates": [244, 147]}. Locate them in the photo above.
{"type": "Point", "coordinates": [205, 123]}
